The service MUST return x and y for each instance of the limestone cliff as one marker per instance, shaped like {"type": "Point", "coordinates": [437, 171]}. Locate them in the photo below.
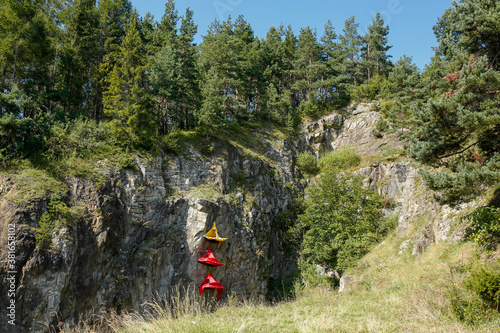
{"type": "Point", "coordinates": [141, 231]}
{"type": "Point", "coordinates": [421, 219]}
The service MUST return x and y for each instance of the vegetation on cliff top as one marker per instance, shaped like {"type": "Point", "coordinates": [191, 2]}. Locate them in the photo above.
{"type": "Point", "coordinates": [83, 81]}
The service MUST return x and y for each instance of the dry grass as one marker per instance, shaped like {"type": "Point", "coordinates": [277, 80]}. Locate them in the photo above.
{"type": "Point", "coordinates": [393, 293]}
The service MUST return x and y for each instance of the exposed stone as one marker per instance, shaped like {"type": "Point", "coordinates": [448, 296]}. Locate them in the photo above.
{"type": "Point", "coordinates": [346, 282]}
{"type": "Point", "coordinates": [142, 234]}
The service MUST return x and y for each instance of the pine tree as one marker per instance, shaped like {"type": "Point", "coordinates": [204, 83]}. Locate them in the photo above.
{"type": "Point", "coordinates": [126, 101]}
{"type": "Point", "coordinates": [29, 34]}
{"type": "Point", "coordinates": [79, 57]}
{"type": "Point", "coordinates": [460, 127]}
{"type": "Point", "coordinates": [351, 43]}
{"type": "Point", "coordinates": [333, 85]}
{"type": "Point", "coordinates": [403, 87]}
{"type": "Point", "coordinates": [212, 112]}
{"type": "Point", "coordinates": [374, 52]}
{"type": "Point", "coordinates": [113, 17]}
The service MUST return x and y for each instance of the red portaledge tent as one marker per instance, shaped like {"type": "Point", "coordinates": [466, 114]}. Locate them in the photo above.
{"type": "Point", "coordinates": [210, 283]}
{"type": "Point", "coordinates": [210, 259]}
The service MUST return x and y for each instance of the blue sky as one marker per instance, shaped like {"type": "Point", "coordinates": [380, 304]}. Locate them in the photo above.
{"type": "Point", "coordinates": [410, 21]}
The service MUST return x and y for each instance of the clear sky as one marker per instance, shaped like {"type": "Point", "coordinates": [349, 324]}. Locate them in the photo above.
{"type": "Point", "coordinates": [410, 21]}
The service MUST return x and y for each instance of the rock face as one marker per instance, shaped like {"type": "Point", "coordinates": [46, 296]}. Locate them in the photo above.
{"type": "Point", "coordinates": [142, 232]}
{"type": "Point", "coordinates": [354, 128]}
{"type": "Point", "coordinates": [420, 216]}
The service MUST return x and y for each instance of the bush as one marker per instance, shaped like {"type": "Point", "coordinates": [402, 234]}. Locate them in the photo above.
{"type": "Point", "coordinates": [485, 282]}
{"type": "Point", "coordinates": [484, 226]}
{"type": "Point", "coordinates": [306, 163]}
{"type": "Point", "coordinates": [369, 91]}
{"type": "Point", "coordinates": [340, 160]}
{"type": "Point", "coordinates": [380, 128]}
{"type": "Point", "coordinates": [170, 142]}
{"type": "Point", "coordinates": [479, 298]}
{"type": "Point", "coordinates": [57, 212]}
{"type": "Point", "coordinates": [466, 306]}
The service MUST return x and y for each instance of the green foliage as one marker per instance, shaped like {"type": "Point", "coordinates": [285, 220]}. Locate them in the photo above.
{"type": "Point", "coordinates": [484, 280]}
{"type": "Point", "coordinates": [207, 150]}
{"type": "Point", "coordinates": [44, 231]}
{"type": "Point", "coordinates": [370, 90]}
{"type": "Point", "coordinates": [292, 232]}
{"type": "Point", "coordinates": [126, 102]}
{"type": "Point", "coordinates": [35, 184]}
{"type": "Point", "coordinates": [458, 127]}
{"type": "Point", "coordinates": [340, 160]}
{"type": "Point", "coordinates": [212, 112]}
{"type": "Point", "coordinates": [342, 221]}
{"type": "Point", "coordinates": [57, 212]}
{"type": "Point", "coordinates": [22, 138]}
{"type": "Point", "coordinates": [479, 298]}
{"type": "Point", "coordinates": [467, 306]}
{"type": "Point", "coordinates": [127, 162]}
{"type": "Point", "coordinates": [380, 128]}
{"type": "Point", "coordinates": [484, 226]}
{"type": "Point", "coordinates": [306, 162]}
{"type": "Point", "coordinates": [170, 142]}
{"type": "Point", "coordinates": [374, 52]}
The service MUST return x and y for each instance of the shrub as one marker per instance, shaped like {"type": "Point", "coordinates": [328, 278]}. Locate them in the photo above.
{"type": "Point", "coordinates": [479, 298]}
{"type": "Point", "coordinates": [484, 226]}
{"type": "Point", "coordinates": [306, 163]}
{"type": "Point", "coordinates": [340, 160]}
{"type": "Point", "coordinates": [170, 142]}
{"type": "Point", "coordinates": [127, 162]}
{"type": "Point", "coordinates": [485, 282]}
{"type": "Point", "coordinates": [380, 128]}
{"type": "Point", "coordinates": [57, 212]}
{"type": "Point", "coordinates": [369, 91]}
{"type": "Point", "coordinates": [466, 306]}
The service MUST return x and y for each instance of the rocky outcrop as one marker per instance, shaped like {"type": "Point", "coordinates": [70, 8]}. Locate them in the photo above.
{"type": "Point", "coordinates": [420, 216]}
{"type": "Point", "coordinates": [353, 128]}
{"type": "Point", "coordinates": [140, 233]}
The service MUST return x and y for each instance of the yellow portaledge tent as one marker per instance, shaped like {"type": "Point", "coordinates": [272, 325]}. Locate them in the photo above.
{"type": "Point", "coordinates": [213, 235]}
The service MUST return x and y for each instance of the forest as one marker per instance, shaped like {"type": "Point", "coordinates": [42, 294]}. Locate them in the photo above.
{"type": "Point", "coordinates": [79, 76]}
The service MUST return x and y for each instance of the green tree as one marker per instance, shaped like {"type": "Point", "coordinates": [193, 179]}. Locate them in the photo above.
{"type": "Point", "coordinates": [470, 26]}
{"type": "Point", "coordinates": [342, 221]}
{"type": "Point", "coordinates": [351, 43]}
{"type": "Point", "coordinates": [332, 85]}
{"type": "Point", "coordinates": [460, 127]}
{"type": "Point", "coordinates": [28, 51]}
{"type": "Point", "coordinates": [79, 56]}
{"type": "Point", "coordinates": [212, 112]}
{"type": "Point", "coordinates": [374, 52]}
{"type": "Point", "coordinates": [126, 101]}
{"type": "Point", "coordinates": [403, 88]}
{"type": "Point", "coordinates": [114, 16]}
{"type": "Point", "coordinates": [307, 67]}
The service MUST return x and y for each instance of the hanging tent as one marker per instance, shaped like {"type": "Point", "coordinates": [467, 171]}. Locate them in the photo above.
{"type": "Point", "coordinates": [210, 283]}
{"type": "Point", "coordinates": [210, 259]}
{"type": "Point", "coordinates": [213, 235]}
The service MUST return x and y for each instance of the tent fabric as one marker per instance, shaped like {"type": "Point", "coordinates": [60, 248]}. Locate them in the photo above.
{"type": "Point", "coordinates": [210, 259]}
{"type": "Point", "coordinates": [213, 235]}
{"type": "Point", "coordinates": [210, 283]}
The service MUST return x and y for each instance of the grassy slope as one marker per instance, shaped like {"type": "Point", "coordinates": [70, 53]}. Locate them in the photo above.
{"type": "Point", "coordinates": [393, 293]}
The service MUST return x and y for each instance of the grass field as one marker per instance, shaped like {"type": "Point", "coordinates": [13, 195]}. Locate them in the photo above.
{"type": "Point", "coordinates": [393, 291]}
